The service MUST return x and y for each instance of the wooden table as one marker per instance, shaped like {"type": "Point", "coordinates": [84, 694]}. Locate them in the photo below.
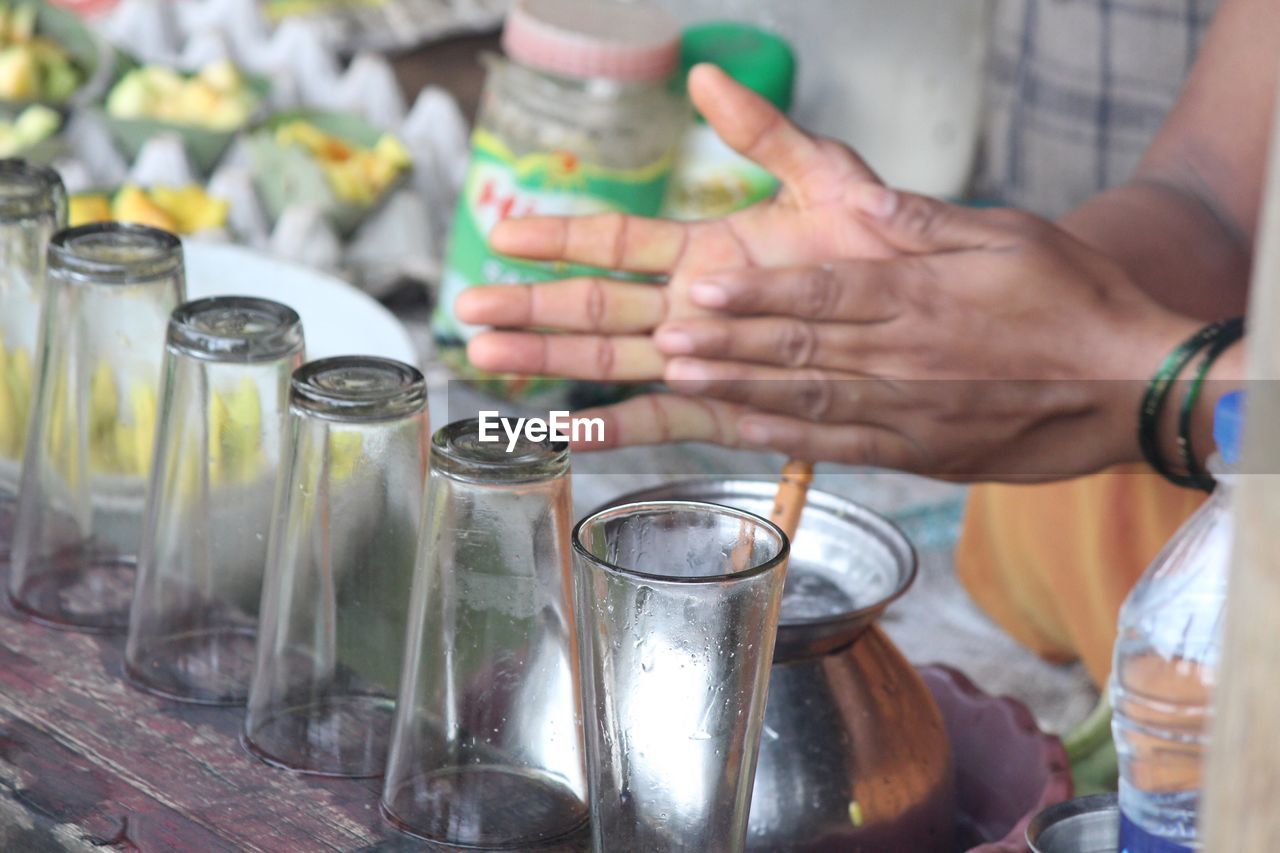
{"type": "Point", "coordinates": [87, 761]}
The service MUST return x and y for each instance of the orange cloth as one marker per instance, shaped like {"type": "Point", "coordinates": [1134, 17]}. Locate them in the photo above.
{"type": "Point", "coordinates": [1052, 563]}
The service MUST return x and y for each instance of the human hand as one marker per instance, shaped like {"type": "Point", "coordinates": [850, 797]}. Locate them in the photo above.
{"type": "Point", "coordinates": [995, 346]}
{"type": "Point", "coordinates": [606, 324]}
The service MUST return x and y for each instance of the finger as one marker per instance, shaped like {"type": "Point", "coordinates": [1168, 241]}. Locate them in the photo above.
{"type": "Point", "coordinates": [917, 223]}
{"type": "Point", "coordinates": [780, 341]}
{"type": "Point", "coordinates": [753, 127]}
{"type": "Point", "coordinates": [852, 292]}
{"type": "Point", "coordinates": [574, 305]}
{"type": "Point", "coordinates": [850, 444]}
{"type": "Point", "coordinates": [600, 357]}
{"type": "Point", "coordinates": [610, 240]}
{"type": "Point", "coordinates": [812, 395]}
{"type": "Point", "coordinates": [665, 418]}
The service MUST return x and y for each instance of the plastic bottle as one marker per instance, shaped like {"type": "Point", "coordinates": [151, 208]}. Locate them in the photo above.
{"type": "Point", "coordinates": [710, 178]}
{"type": "Point", "coordinates": [1166, 664]}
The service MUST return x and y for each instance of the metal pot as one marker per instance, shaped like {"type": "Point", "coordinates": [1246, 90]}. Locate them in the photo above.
{"type": "Point", "coordinates": [855, 755]}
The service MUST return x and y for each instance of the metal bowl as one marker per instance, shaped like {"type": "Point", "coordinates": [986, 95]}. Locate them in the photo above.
{"type": "Point", "coordinates": [847, 563]}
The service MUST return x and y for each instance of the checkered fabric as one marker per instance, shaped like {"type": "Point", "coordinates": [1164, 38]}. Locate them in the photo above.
{"type": "Point", "coordinates": [1077, 88]}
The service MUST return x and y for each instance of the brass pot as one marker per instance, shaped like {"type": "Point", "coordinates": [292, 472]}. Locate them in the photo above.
{"type": "Point", "coordinates": [854, 757]}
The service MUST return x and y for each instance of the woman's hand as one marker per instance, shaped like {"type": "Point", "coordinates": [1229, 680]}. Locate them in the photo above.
{"type": "Point", "coordinates": [607, 323]}
{"type": "Point", "coordinates": [995, 346]}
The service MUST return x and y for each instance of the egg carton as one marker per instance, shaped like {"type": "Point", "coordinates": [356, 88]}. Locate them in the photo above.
{"type": "Point", "coordinates": [403, 238]}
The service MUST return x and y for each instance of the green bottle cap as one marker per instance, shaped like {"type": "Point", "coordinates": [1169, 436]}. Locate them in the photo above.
{"type": "Point", "coordinates": [756, 58]}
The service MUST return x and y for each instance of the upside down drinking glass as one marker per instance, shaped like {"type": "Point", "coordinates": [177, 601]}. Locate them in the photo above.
{"type": "Point", "coordinates": [32, 207]}
{"type": "Point", "coordinates": [677, 606]}
{"type": "Point", "coordinates": [487, 749]}
{"type": "Point", "coordinates": [339, 562]}
{"type": "Point", "coordinates": [110, 289]}
{"type": "Point", "coordinates": [228, 361]}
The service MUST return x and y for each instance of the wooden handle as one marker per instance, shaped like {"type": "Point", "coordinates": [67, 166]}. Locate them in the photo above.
{"type": "Point", "coordinates": [793, 490]}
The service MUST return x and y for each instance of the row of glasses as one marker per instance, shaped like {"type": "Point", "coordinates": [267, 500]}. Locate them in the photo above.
{"type": "Point", "coordinates": [253, 521]}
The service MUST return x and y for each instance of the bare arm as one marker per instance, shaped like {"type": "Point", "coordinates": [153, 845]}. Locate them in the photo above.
{"type": "Point", "coordinates": [1183, 227]}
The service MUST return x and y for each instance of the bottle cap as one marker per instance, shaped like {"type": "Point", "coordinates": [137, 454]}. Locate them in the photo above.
{"type": "Point", "coordinates": [587, 38]}
{"type": "Point", "coordinates": [1228, 421]}
{"type": "Point", "coordinates": [756, 58]}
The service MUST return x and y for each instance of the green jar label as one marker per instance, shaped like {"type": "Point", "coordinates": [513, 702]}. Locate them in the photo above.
{"type": "Point", "coordinates": [500, 185]}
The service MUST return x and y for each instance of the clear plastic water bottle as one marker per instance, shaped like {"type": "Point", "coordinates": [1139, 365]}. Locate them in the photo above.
{"type": "Point", "coordinates": [1166, 665]}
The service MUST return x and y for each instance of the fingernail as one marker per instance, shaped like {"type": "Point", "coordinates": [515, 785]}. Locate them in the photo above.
{"type": "Point", "coordinates": [753, 432]}
{"type": "Point", "coordinates": [709, 294]}
{"type": "Point", "coordinates": [674, 342]}
{"type": "Point", "coordinates": [873, 200]}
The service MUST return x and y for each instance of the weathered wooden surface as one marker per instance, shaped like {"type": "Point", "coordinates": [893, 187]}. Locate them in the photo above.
{"type": "Point", "coordinates": [86, 760]}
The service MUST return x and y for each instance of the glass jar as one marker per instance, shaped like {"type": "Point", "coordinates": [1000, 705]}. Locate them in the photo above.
{"type": "Point", "coordinates": [578, 118]}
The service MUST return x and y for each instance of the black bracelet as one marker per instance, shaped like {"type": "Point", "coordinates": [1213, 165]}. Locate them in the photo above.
{"type": "Point", "coordinates": [1157, 393]}
{"type": "Point", "coordinates": [1231, 331]}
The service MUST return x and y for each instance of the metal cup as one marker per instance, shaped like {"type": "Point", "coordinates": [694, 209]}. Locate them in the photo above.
{"type": "Point", "coordinates": [194, 620]}
{"type": "Point", "coordinates": [1083, 825]}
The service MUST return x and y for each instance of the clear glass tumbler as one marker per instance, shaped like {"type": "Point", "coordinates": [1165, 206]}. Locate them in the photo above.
{"type": "Point", "coordinates": [225, 391]}
{"type": "Point", "coordinates": [340, 561]}
{"type": "Point", "coordinates": [110, 289]}
{"type": "Point", "coordinates": [487, 750]}
{"type": "Point", "coordinates": [33, 205]}
{"type": "Point", "coordinates": [677, 608]}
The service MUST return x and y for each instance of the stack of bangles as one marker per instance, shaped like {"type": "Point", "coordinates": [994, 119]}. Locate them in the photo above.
{"type": "Point", "coordinates": [1212, 341]}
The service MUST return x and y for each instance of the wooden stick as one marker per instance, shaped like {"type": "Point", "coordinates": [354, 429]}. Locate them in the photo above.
{"type": "Point", "coordinates": [793, 490]}
{"type": "Point", "coordinates": [1243, 779]}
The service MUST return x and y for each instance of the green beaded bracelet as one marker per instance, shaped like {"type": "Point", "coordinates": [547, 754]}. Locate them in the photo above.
{"type": "Point", "coordinates": [1231, 332]}
{"type": "Point", "coordinates": [1157, 393]}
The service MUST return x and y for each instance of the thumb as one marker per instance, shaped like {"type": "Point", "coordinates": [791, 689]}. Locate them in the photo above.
{"type": "Point", "coordinates": [754, 128]}
{"type": "Point", "coordinates": [919, 224]}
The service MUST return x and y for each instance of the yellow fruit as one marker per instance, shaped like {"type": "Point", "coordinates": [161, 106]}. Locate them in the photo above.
{"type": "Point", "coordinates": [84, 209]}
{"type": "Point", "coordinates": [133, 205]}
{"type": "Point", "coordinates": [19, 74]}
{"type": "Point", "coordinates": [221, 75]}
{"type": "Point", "coordinates": [144, 427]}
{"type": "Point", "coordinates": [345, 450]}
{"type": "Point", "coordinates": [392, 151]}
{"type": "Point", "coordinates": [191, 208]}
{"type": "Point", "coordinates": [104, 404]}
{"type": "Point", "coordinates": [356, 175]}
{"type": "Point", "coordinates": [10, 424]}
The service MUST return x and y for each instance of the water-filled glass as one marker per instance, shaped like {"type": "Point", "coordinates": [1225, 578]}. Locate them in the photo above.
{"type": "Point", "coordinates": [487, 749]}
{"type": "Point", "coordinates": [224, 394]}
{"type": "Point", "coordinates": [109, 291]}
{"type": "Point", "coordinates": [677, 605]}
{"type": "Point", "coordinates": [32, 208]}
{"type": "Point", "coordinates": [339, 564]}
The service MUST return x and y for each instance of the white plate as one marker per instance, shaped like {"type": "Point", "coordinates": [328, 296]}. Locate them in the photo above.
{"type": "Point", "coordinates": [337, 319]}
